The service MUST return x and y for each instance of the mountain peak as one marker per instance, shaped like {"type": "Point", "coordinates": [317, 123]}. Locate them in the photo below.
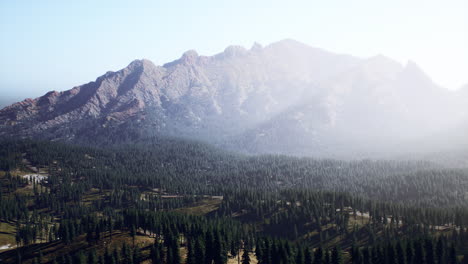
{"type": "Point", "coordinates": [256, 47]}
{"type": "Point", "coordinates": [234, 50]}
{"type": "Point", "coordinates": [291, 45]}
{"type": "Point", "coordinates": [141, 63]}
{"type": "Point", "coordinates": [412, 65]}
{"type": "Point", "coordinates": [288, 42]}
{"type": "Point", "coordinates": [189, 56]}
{"type": "Point", "coordinates": [413, 69]}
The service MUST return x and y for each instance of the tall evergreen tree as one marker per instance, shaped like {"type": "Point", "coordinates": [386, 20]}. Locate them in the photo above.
{"type": "Point", "coordinates": [452, 255]}
{"type": "Point", "coordinates": [92, 257]}
{"type": "Point", "coordinates": [401, 257]}
{"type": "Point", "coordinates": [429, 249]}
{"type": "Point", "coordinates": [300, 258]}
{"type": "Point", "coordinates": [419, 253]}
{"type": "Point", "coordinates": [409, 253]}
{"type": "Point", "coordinates": [308, 256]}
{"type": "Point", "coordinates": [219, 252]}
{"type": "Point", "coordinates": [440, 252]}
{"type": "Point", "coordinates": [318, 256]}
{"type": "Point", "coordinates": [327, 257]}
{"type": "Point", "coordinates": [191, 256]}
{"type": "Point", "coordinates": [336, 257]}
{"type": "Point", "coordinates": [245, 257]}
{"type": "Point", "coordinates": [199, 251]}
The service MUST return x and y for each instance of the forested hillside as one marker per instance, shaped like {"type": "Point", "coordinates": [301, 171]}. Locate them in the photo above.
{"type": "Point", "coordinates": [176, 201]}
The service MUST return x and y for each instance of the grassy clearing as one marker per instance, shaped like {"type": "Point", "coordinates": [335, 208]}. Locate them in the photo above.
{"type": "Point", "coordinates": [7, 235]}
{"type": "Point", "coordinates": [202, 207]}
{"type": "Point", "coordinates": [94, 195]}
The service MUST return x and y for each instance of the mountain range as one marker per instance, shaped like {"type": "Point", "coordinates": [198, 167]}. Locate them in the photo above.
{"type": "Point", "coordinates": [286, 98]}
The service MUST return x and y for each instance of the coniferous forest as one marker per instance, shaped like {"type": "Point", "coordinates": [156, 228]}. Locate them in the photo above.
{"type": "Point", "coordinates": [180, 201]}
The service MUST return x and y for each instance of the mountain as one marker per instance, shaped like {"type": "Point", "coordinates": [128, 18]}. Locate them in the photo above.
{"type": "Point", "coordinates": [376, 106]}
{"type": "Point", "coordinates": [286, 97]}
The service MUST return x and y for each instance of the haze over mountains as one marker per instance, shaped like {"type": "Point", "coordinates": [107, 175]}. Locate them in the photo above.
{"type": "Point", "coordinates": [286, 98]}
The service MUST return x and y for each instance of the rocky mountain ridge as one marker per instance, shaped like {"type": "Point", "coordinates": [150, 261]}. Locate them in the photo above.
{"type": "Point", "coordinates": [286, 97]}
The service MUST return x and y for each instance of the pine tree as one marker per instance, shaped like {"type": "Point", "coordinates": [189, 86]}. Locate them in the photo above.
{"type": "Point", "coordinates": [126, 253]}
{"type": "Point", "coordinates": [89, 236]}
{"type": "Point", "coordinates": [259, 248]}
{"type": "Point", "coordinates": [429, 249]}
{"type": "Point", "coordinates": [453, 255]}
{"type": "Point", "coordinates": [366, 256]}
{"type": "Point", "coordinates": [327, 259]}
{"type": "Point", "coordinates": [440, 252]}
{"type": "Point", "coordinates": [409, 253]}
{"type": "Point", "coordinates": [300, 259]}
{"type": "Point", "coordinates": [109, 257]}
{"type": "Point", "coordinates": [98, 233]}
{"type": "Point", "coordinates": [336, 257]}
{"type": "Point", "coordinates": [219, 255]}
{"type": "Point", "coordinates": [81, 258]}
{"type": "Point", "coordinates": [377, 255]}
{"type": "Point", "coordinates": [156, 258]}
{"type": "Point", "coordinates": [400, 253]}
{"type": "Point", "coordinates": [199, 251]}
{"type": "Point", "coordinates": [318, 256]}
{"type": "Point", "coordinates": [92, 257]}
{"type": "Point", "coordinates": [391, 254]}
{"type": "Point", "coordinates": [209, 247]}
{"type": "Point", "coordinates": [191, 252]}
{"type": "Point", "coordinates": [133, 234]}
{"type": "Point", "coordinates": [355, 254]}
{"type": "Point", "coordinates": [245, 257]}
{"type": "Point", "coordinates": [308, 256]}
{"type": "Point", "coordinates": [116, 255]}
{"type": "Point", "coordinates": [137, 256]}
{"type": "Point", "coordinates": [41, 256]}
{"type": "Point", "coordinates": [419, 254]}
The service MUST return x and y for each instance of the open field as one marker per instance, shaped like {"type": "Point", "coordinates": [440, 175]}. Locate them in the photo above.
{"type": "Point", "coordinates": [7, 236]}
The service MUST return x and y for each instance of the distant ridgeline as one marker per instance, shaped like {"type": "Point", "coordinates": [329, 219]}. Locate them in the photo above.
{"type": "Point", "coordinates": [182, 201]}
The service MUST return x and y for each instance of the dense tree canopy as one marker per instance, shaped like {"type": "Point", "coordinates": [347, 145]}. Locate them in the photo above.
{"type": "Point", "coordinates": [278, 209]}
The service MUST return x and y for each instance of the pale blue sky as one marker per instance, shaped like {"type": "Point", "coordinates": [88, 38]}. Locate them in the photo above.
{"type": "Point", "coordinates": [55, 45]}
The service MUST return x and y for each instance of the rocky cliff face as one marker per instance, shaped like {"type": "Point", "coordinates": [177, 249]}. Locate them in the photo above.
{"type": "Point", "coordinates": [286, 97]}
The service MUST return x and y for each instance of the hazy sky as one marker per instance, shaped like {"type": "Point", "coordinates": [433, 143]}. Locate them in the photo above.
{"type": "Point", "coordinates": [55, 45]}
